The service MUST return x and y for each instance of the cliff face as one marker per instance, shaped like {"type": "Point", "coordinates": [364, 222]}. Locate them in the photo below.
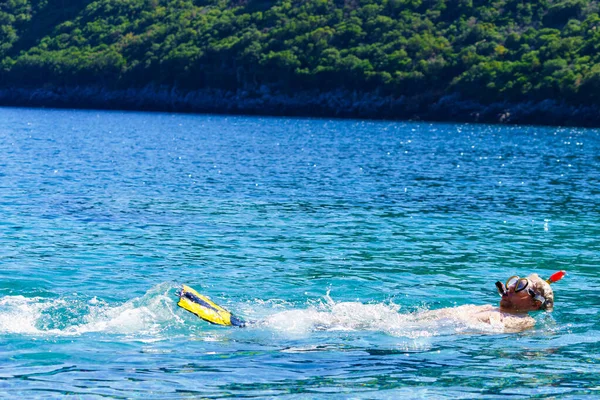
{"type": "Point", "coordinates": [339, 104]}
{"type": "Point", "coordinates": [463, 60]}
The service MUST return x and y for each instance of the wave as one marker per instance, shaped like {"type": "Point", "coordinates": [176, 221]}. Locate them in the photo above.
{"type": "Point", "coordinates": [155, 314]}
{"type": "Point", "coordinates": [152, 314]}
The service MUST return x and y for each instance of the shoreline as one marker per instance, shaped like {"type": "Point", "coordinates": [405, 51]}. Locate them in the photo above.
{"type": "Point", "coordinates": [334, 104]}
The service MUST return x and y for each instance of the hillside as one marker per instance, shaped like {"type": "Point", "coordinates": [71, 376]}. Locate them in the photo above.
{"type": "Point", "coordinates": [437, 59]}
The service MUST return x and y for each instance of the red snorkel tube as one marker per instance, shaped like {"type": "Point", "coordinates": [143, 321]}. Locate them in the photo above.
{"type": "Point", "coordinates": [555, 277]}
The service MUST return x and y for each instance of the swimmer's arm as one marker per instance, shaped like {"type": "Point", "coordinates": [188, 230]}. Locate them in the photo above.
{"type": "Point", "coordinates": [452, 312]}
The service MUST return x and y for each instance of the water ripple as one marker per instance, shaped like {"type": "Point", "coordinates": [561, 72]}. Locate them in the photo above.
{"type": "Point", "coordinates": [104, 213]}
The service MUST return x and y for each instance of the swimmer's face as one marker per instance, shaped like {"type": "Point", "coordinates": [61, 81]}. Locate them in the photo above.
{"type": "Point", "coordinates": [518, 301]}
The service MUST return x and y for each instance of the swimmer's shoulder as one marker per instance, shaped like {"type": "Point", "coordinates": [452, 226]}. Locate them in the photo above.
{"type": "Point", "coordinates": [509, 322]}
{"type": "Point", "coordinates": [516, 323]}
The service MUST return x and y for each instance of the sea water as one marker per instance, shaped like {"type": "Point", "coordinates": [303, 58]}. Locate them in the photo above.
{"type": "Point", "coordinates": [333, 235]}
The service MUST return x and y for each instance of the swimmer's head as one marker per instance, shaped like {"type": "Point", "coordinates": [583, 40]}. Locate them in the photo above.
{"type": "Point", "coordinates": [526, 294]}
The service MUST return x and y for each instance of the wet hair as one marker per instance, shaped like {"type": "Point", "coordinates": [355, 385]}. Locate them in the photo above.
{"type": "Point", "coordinates": [543, 288]}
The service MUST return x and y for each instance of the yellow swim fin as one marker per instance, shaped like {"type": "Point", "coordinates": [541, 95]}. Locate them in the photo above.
{"type": "Point", "coordinates": [206, 309]}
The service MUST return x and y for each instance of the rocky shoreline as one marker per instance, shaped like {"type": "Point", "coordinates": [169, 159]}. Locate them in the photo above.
{"type": "Point", "coordinates": [338, 104]}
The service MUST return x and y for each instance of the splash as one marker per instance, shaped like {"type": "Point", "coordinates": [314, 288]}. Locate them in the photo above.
{"type": "Point", "coordinates": [156, 315]}
{"type": "Point", "coordinates": [152, 314]}
{"type": "Point", "coordinates": [388, 318]}
{"type": "Point", "coordinates": [19, 314]}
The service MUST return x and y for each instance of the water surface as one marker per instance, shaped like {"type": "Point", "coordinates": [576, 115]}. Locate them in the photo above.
{"type": "Point", "coordinates": [330, 232]}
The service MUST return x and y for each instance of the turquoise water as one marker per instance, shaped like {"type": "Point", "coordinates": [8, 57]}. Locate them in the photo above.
{"type": "Point", "coordinates": [331, 233]}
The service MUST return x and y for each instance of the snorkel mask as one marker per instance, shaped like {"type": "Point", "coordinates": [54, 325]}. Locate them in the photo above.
{"type": "Point", "coordinates": [521, 284]}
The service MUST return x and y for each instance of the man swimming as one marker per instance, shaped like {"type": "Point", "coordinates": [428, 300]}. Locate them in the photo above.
{"type": "Point", "coordinates": [519, 297]}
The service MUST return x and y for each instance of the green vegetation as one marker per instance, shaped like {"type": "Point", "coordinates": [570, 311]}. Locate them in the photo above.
{"type": "Point", "coordinates": [484, 50]}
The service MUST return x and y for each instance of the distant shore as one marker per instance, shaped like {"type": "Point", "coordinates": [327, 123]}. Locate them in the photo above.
{"type": "Point", "coordinates": [339, 104]}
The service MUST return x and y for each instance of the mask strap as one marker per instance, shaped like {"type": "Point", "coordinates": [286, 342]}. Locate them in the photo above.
{"type": "Point", "coordinates": [501, 288]}
{"type": "Point", "coordinates": [537, 296]}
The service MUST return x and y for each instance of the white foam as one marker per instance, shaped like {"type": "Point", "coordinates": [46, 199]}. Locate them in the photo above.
{"type": "Point", "coordinates": [146, 316]}
{"type": "Point", "coordinates": [19, 314]}
{"type": "Point", "coordinates": [380, 317]}
{"type": "Point", "coordinates": [347, 316]}
{"type": "Point", "coordinates": [150, 314]}
{"type": "Point", "coordinates": [156, 315]}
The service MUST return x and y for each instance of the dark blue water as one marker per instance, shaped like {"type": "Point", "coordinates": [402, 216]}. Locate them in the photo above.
{"type": "Point", "coordinates": [333, 234]}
